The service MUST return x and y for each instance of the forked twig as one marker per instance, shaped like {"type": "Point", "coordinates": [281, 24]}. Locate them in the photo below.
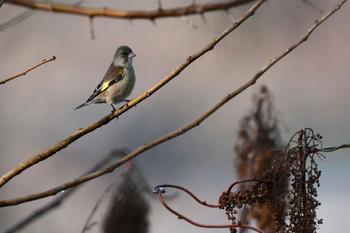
{"type": "Point", "coordinates": [160, 189]}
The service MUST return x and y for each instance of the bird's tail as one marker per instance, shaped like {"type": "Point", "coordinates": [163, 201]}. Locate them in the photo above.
{"type": "Point", "coordinates": [82, 105]}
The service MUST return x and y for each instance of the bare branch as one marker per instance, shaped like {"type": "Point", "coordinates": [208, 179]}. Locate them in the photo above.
{"type": "Point", "coordinates": [162, 139]}
{"type": "Point", "coordinates": [83, 131]}
{"type": "Point", "coordinates": [123, 14]}
{"type": "Point", "coordinates": [30, 69]}
{"type": "Point", "coordinates": [159, 190]}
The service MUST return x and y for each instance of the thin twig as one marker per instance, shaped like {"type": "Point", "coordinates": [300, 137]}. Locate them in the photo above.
{"type": "Point", "coordinates": [83, 131]}
{"type": "Point", "coordinates": [88, 224]}
{"type": "Point", "coordinates": [180, 216]}
{"type": "Point", "coordinates": [17, 19]}
{"type": "Point", "coordinates": [30, 69]}
{"type": "Point", "coordinates": [245, 181]}
{"type": "Point", "coordinates": [163, 186]}
{"type": "Point", "coordinates": [156, 142]}
{"type": "Point", "coordinates": [331, 149]}
{"type": "Point", "coordinates": [123, 14]}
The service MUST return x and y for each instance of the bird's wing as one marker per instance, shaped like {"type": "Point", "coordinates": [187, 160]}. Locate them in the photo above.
{"type": "Point", "coordinates": [114, 74]}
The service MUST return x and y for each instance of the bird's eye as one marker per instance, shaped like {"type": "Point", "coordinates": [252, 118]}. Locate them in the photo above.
{"type": "Point", "coordinates": [125, 54]}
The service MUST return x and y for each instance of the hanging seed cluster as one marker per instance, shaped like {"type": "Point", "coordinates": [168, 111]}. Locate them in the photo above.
{"type": "Point", "coordinates": [288, 191]}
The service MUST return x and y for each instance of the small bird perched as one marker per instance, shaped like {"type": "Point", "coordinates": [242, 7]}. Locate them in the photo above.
{"type": "Point", "coordinates": [118, 82]}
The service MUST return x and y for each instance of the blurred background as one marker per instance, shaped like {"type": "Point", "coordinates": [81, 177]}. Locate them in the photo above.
{"type": "Point", "coordinates": [309, 86]}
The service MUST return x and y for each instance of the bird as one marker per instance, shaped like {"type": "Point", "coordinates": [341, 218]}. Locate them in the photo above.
{"type": "Point", "coordinates": [118, 82]}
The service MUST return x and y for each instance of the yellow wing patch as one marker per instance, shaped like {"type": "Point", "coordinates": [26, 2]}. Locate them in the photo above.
{"type": "Point", "coordinates": [104, 86]}
{"type": "Point", "coordinates": [119, 76]}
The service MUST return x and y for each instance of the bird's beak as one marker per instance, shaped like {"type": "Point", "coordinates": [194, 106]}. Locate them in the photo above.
{"type": "Point", "coordinates": [131, 55]}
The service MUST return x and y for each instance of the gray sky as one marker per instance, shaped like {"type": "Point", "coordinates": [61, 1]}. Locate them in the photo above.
{"type": "Point", "coordinates": [310, 89]}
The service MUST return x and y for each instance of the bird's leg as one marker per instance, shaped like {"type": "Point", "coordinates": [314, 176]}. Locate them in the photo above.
{"type": "Point", "coordinates": [127, 101]}
{"type": "Point", "coordinates": [113, 108]}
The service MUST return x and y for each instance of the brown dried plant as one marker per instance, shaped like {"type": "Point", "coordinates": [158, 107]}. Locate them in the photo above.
{"type": "Point", "coordinates": [257, 148]}
{"type": "Point", "coordinates": [282, 196]}
{"type": "Point", "coordinates": [129, 209]}
{"type": "Point", "coordinates": [277, 187]}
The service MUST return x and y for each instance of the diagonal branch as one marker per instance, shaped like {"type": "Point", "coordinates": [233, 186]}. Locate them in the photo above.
{"type": "Point", "coordinates": [123, 14]}
{"type": "Point", "coordinates": [30, 69]}
{"type": "Point", "coordinates": [180, 131]}
{"type": "Point", "coordinates": [59, 200]}
{"type": "Point", "coordinates": [83, 131]}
